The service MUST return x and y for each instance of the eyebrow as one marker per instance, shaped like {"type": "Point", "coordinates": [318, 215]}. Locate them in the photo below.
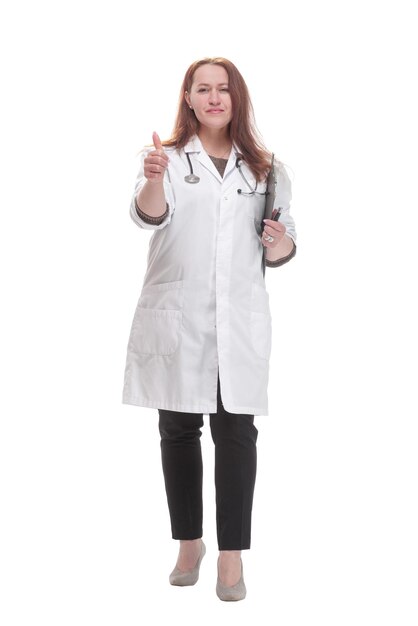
{"type": "Point", "coordinates": [207, 84]}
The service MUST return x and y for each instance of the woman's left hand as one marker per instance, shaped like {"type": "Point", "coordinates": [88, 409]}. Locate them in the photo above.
{"type": "Point", "coordinates": [272, 229]}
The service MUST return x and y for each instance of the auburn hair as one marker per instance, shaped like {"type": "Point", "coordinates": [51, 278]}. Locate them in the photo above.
{"type": "Point", "coordinates": [242, 128]}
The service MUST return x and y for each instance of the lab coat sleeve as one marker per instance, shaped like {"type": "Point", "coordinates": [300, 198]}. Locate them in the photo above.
{"type": "Point", "coordinates": [283, 199]}
{"type": "Point", "coordinates": [153, 224]}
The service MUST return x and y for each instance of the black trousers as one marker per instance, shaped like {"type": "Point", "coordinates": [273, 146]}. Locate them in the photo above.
{"type": "Point", "coordinates": [235, 438]}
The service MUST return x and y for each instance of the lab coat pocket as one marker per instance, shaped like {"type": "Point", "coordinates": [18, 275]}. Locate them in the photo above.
{"type": "Point", "coordinates": [156, 331]}
{"type": "Point", "coordinates": [158, 318]}
{"type": "Point", "coordinates": [261, 326]}
{"type": "Point", "coordinates": [162, 296]}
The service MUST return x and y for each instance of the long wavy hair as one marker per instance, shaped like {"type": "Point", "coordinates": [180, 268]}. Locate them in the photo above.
{"type": "Point", "coordinates": [242, 128]}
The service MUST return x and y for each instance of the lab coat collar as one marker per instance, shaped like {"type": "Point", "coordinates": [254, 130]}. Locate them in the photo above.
{"type": "Point", "coordinates": [195, 145]}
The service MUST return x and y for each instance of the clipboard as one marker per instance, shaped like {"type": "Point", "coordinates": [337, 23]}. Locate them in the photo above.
{"type": "Point", "coordinates": [270, 191]}
{"type": "Point", "coordinates": [269, 212]}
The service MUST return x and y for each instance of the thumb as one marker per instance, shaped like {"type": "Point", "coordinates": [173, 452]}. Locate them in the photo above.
{"type": "Point", "coordinates": [157, 141]}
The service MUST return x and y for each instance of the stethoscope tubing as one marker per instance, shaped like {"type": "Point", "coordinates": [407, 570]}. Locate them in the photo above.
{"type": "Point", "coordinates": [192, 178]}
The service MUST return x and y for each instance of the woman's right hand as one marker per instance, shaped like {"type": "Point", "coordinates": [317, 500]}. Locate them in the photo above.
{"type": "Point", "coordinates": [156, 162]}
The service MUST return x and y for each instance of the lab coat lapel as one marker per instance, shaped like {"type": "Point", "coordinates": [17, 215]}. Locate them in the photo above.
{"type": "Point", "coordinates": [207, 162]}
{"type": "Point", "coordinates": [195, 146]}
{"type": "Point", "coordinates": [230, 166]}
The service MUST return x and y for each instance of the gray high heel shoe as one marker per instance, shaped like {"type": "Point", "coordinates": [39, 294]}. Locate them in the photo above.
{"type": "Point", "coordinates": [234, 593]}
{"type": "Point", "coordinates": [190, 577]}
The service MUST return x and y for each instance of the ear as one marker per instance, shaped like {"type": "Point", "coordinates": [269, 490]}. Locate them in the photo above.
{"type": "Point", "coordinates": [187, 98]}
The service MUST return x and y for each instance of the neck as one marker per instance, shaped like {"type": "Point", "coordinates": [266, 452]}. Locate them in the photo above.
{"type": "Point", "coordinates": [216, 142]}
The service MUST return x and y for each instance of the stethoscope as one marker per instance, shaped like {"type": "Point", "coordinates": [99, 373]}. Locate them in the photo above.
{"type": "Point", "coordinates": [192, 178]}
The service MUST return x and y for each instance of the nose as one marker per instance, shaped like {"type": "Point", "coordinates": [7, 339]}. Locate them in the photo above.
{"type": "Point", "coordinates": [214, 96]}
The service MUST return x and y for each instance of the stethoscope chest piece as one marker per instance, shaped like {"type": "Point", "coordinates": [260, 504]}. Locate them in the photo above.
{"type": "Point", "coordinates": [192, 178]}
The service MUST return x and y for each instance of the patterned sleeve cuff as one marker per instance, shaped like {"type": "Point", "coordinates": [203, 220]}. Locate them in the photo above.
{"type": "Point", "coordinates": [283, 260]}
{"type": "Point", "coordinates": [148, 218]}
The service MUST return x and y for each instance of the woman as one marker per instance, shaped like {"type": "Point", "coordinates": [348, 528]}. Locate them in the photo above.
{"type": "Point", "coordinates": [201, 335]}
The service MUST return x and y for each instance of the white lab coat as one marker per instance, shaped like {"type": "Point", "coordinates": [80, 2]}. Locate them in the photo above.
{"type": "Point", "coordinates": [204, 303]}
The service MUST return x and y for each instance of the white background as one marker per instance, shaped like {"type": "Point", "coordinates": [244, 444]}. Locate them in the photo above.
{"type": "Point", "coordinates": [85, 535]}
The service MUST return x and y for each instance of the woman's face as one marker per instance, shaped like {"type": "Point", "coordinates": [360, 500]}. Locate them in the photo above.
{"type": "Point", "coordinates": [209, 96]}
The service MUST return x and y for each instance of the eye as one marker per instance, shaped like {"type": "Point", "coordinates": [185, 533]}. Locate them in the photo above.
{"type": "Point", "coordinates": [224, 89]}
{"type": "Point", "coordinates": [202, 90]}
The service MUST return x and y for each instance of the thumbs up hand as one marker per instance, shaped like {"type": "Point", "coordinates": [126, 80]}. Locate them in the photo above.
{"type": "Point", "coordinates": [156, 162]}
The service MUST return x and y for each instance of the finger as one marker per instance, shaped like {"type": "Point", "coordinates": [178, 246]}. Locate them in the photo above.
{"type": "Point", "coordinates": [273, 224]}
{"type": "Point", "coordinates": [155, 158]}
{"type": "Point", "coordinates": [155, 168]}
{"type": "Point", "coordinates": [267, 244]}
{"type": "Point", "coordinates": [274, 232]}
{"type": "Point", "coordinates": [157, 141]}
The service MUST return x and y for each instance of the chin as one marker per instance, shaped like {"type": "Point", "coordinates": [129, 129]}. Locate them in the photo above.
{"type": "Point", "coordinates": [215, 123]}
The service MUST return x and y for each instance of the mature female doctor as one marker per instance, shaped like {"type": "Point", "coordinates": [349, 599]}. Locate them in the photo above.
{"type": "Point", "coordinates": [200, 339]}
